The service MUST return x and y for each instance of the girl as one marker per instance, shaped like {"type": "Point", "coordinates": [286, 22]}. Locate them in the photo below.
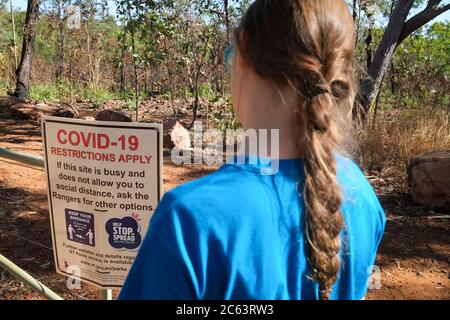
{"type": "Point", "coordinates": [310, 231]}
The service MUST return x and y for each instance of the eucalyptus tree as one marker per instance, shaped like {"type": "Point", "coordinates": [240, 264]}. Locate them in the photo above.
{"type": "Point", "coordinates": [23, 71]}
{"type": "Point", "coordinates": [399, 27]}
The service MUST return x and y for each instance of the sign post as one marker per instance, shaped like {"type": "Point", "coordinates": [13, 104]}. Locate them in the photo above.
{"type": "Point", "coordinates": [104, 180]}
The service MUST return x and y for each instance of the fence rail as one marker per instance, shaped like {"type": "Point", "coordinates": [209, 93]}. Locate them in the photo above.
{"type": "Point", "coordinates": [22, 157]}
{"type": "Point", "coordinates": [9, 265]}
{"type": "Point", "coordinates": [28, 279]}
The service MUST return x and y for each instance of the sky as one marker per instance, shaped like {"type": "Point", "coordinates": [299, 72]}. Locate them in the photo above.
{"type": "Point", "coordinates": [22, 4]}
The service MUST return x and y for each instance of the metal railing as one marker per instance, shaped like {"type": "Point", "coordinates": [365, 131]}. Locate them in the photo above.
{"type": "Point", "coordinates": [22, 157]}
{"type": "Point", "coordinates": [8, 265]}
{"type": "Point", "coordinates": [20, 274]}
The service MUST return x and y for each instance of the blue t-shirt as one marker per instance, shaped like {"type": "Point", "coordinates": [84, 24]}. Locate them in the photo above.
{"type": "Point", "coordinates": [238, 234]}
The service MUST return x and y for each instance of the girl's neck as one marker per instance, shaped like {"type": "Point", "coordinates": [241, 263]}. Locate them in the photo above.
{"type": "Point", "coordinates": [271, 109]}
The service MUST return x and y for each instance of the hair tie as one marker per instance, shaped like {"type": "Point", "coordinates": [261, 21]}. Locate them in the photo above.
{"type": "Point", "coordinates": [314, 84]}
{"type": "Point", "coordinates": [322, 88]}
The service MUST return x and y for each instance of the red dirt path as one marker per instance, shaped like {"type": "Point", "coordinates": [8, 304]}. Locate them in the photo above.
{"type": "Point", "coordinates": [414, 256]}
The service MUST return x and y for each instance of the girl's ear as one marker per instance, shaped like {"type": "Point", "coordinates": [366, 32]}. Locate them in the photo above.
{"type": "Point", "coordinates": [241, 61]}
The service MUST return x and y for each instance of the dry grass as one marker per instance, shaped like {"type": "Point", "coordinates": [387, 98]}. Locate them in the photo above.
{"type": "Point", "coordinates": [387, 147]}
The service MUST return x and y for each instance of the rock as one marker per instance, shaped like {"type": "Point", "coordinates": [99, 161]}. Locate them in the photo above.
{"type": "Point", "coordinates": [180, 136]}
{"type": "Point", "coordinates": [66, 111]}
{"type": "Point", "coordinates": [429, 180]}
{"type": "Point", "coordinates": [41, 105]}
{"type": "Point", "coordinates": [113, 104]}
{"type": "Point", "coordinates": [6, 103]}
{"type": "Point", "coordinates": [113, 115]}
{"type": "Point", "coordinates": [25, 111]}
{"type": "Point", "coordinates": [87, 114]}
{"type": "Point", "coordinates": [175, 134]}
{"type": "Point", "coordinates": [13, 107]}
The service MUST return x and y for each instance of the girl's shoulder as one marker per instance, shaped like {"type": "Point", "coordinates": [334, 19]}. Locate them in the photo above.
{"type": "Point", "coordinates": [232, 189]}
{"type": "Point", "coordinates": [361, 206]}
{"type": "Point", "coordinates": [208, 196]}
{"type": "Point", "coordinates": [354, 183]}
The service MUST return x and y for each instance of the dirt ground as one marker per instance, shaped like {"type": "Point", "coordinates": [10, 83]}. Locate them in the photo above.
{"type": "Point", "coordinates": [414, 258]}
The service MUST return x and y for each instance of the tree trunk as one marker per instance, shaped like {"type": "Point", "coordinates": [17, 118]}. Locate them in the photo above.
{"type": "Point", "coordinates": [392, 79]}
{"type": "Point", "coordinates": [227, 20]}
{"type": "Point", "coordinates": [432, 10]}
{"type": "Point", "coordinates": [14, 35]}
{"type": "Point", "coordinates": [123, 83]}
{"type": "Point", "coordinates": [23, 72]}
{"type": "Point", "coordinates": [357, 19]}
{"type": "Point", "coordinates": [370, 86]}
{"type": "Point", "coordinates": [355, 10]}
{"type": "Point", "coordinates": [61, 42]}
{"type": "Point", "coordinates": [368, 42]}
{"type": "Point", "coordinates": [396, 31]}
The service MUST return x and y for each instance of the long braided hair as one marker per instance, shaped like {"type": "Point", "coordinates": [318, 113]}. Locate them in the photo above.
{"type": "Point", "coordinates": [309, 46]}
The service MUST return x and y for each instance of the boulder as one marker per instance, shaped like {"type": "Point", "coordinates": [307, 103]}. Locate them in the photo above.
{"type": "Point", "coordinates": [25, 111]}
{"type": "Point", "coordinates": [66, 111]}
{"type": "Point", "coordinates": [429, 179]}
{"type": "Point", "coordinates": [183, 111]}
{"type": "Point", "coordinates": [175, 134]}
{"type": "Point", "coordinates": [12, 107]}
{"type": "Point", "coordinates": [6, 103]}
{"type": "Point", "coordinates": [113, 115]}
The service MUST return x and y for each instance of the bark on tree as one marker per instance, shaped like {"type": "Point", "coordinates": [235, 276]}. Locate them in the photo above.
{"type": "Point", "coordinates": [23, 72]}
{"type": "Point", "coordinates": [369, 38]}
{"type": "Point", "coordinates": [61, 41]}
{"type": "Point", "coordinates": [227, 20]}
{"type": "Point", "coordinates": [14, 35]}
{"type": "Point", "coordinates": [355, 10]}
{"type": "Point", "coordinates": [123, 84]}
{"type": "Point", "coordinates": [397, 30]}
{"type": "Point", "coordinates": [433, 9]}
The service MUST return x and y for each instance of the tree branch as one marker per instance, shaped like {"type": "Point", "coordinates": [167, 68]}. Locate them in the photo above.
{"type": "Point", "coordinates": [432, 10]}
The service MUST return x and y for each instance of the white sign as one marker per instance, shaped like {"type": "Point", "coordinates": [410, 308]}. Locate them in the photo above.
{"type": "Point", "coordinates": [104, 180]}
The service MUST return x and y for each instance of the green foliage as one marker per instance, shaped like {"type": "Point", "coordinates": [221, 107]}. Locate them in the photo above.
{"type": "Point", "coordinates": [224, 119]}
{"type": "Point", "coordinates": [421, 69]}
{"type": "Point", "coordinates": [54, 93]}
{"type": "Point", "coordinates": [46, 92]}
{"type": "Point", "coordinates": [97, 94]}
{"type": "Point", "coordinates": [177, 47]}
{"type": "Point", "coordinates": [439, 46]}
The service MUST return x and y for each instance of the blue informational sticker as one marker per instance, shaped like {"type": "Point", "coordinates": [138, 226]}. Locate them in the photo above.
{"type": "Point", "coordinates": [80, 227]}
{"type": "Point", "coordinates": [123, 233]}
